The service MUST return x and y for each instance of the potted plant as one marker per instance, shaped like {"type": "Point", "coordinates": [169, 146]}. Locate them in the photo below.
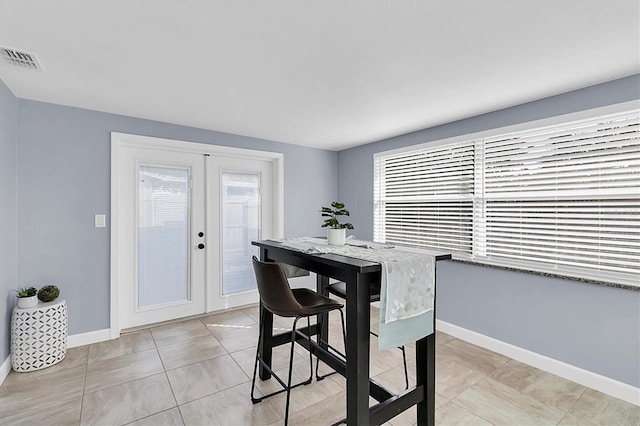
{"type": "Point", "coordinates": [337, 231]}
{"type": "Point", "coordinates": [27, 297]}
{"type": "Point", "coordinates": [48, 293]}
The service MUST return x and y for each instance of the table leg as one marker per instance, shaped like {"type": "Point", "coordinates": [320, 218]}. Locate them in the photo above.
{"type": "Point", "coordinates": [357, 350]}
{"type": "Point", "coordinates": [426, 376]}
{"type": "Point", "coordinates": [323, 319]}
{"type": "Point", "coordinates": [266, 344]}
{"type": "Point", "coordinates": [266, 328]}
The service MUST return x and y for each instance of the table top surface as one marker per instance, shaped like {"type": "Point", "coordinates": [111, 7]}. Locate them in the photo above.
{"type": "Point", "coordinates": [336, 260]}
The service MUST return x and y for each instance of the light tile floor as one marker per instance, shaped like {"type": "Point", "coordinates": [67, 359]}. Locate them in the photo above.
{"type": "Point", "coordinates": [197, 372]}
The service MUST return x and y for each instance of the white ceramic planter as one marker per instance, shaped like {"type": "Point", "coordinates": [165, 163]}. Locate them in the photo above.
{"type": "Point", "coordinates": [336, 237]}
{"type": "Point", "coordinates": [27, 302]}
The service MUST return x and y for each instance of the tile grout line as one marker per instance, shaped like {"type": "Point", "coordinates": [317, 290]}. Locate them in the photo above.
{"type": "Point", "coordinates": [572, 405]}
{"type": "Point", "coordinates": [173, 394]}
{"type": "Point", "coordinates": [128, 381]}
{"type": "Point", "coordinates": [212, 394]}
{"type": "Point", "coordinates": [150, 415]}
{"type": "Point", "coordinates": [190, 363]}
{"type": "Point", "coordinates": [84, 384]}
{"type": "Point", "coordinates": [164, 370]}
{"type": "Point", "coordinates": [249, 379]}
{"type": "Point", "coordinates": [472, 412]}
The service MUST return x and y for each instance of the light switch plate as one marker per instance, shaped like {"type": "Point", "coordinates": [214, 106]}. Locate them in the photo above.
{"type": "Point", "coordinates": [101, 221]}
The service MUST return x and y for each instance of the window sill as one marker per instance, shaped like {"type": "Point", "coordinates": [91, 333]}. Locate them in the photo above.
{"type": "Point", "coordinates": [551, 275]}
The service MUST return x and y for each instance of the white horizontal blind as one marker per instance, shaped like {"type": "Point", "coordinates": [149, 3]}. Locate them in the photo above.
{"type": "Point", "coordinates": [598, 156]}
{"type": "Point", "coordinates": [425, 198]}
{"type": "Point", "coordinates": [602, 235]}
{"type": "Point", "coordinates": [564, 198]}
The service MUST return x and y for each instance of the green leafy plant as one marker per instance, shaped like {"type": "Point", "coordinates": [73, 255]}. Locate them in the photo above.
{"type": "Point", "coordinates": [48, 293]}
{"type": "Point", "coordinates": [332, 213]}
{"type": "Point", "coordinates": [26, 292]}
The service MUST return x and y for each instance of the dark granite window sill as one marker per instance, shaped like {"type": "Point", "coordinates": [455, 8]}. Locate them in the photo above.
{"type": "Point", "coordinates": [552, 275]}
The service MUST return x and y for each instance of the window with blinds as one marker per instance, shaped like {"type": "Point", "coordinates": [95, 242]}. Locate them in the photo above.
{"type": "Point", "coordinates": [425, 198]}
{"type": "Point", "coordinates": [563, 198]}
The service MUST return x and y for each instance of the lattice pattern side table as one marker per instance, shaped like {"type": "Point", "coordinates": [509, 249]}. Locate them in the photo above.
{"type": "Point", "coordinates": [38, 336]}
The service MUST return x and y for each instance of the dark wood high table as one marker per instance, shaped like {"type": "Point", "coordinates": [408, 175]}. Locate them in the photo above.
{"type": "Point", "coordinates": [358, 275]}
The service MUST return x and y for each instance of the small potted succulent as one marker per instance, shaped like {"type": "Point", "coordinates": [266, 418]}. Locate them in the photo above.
{"type": "Point", "coordinates": [336, 234]}
{"type": "Point", "coordinates": [48, 293]}
{"type": "Point", "coordinates": [27, 297]}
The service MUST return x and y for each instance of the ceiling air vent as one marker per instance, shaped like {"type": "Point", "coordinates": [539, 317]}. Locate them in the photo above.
{"type": "Point", "coordinates": [21, 59]}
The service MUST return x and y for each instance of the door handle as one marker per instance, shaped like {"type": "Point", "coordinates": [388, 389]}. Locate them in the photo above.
{"type": "Point", "coordinates": [200, 246]}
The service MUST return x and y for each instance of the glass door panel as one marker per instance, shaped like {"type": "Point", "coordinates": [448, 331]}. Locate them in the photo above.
{"type": "Point", "coordinates": [163, 235]}
{"type": "Point", "coordinates": [240, 226]}
{"type": "Point", "coordinates": [161, 232]}
{"type": "Point", "coordinates": [242, 188]}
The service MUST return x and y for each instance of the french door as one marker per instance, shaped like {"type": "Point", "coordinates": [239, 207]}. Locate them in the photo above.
{"type": "Point", "coordinates": [185, 221]}
{"type": "Point", "coordinates": [239, 211]}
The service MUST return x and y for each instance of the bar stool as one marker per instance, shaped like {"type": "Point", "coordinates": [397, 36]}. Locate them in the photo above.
{"type": "Point", "coordinates": [278, 298]}
{"type": "Point", "coordinates": [339, 289]}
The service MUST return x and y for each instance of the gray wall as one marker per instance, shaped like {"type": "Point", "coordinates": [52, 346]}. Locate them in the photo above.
{"type": "Point", "coordinates": [592, 327]}
{"type": "Point", "coordinates": [8, 236]}
{"type": "Point", "coordinates": [64, 179]}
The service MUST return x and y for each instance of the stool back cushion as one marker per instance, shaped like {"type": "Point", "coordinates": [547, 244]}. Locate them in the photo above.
{"type": "Point", "coordinates": [275, 292]}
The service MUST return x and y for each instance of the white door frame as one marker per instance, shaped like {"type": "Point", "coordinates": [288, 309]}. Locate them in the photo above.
{"type": "Point", "coordinates": [119, 141]}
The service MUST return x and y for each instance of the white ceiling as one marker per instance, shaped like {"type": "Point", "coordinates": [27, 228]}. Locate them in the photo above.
{"type": "Point", "coordinates": [329, 74]}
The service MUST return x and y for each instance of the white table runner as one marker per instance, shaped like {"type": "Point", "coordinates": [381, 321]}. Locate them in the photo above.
{"type": "Point", "coordinates": [407, 287]}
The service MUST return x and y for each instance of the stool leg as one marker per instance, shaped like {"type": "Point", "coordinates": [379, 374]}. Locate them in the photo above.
{"type": "Point", "coordinates": [325, 318]}
{"type": "Point", "coordinates": [344, 340]}
{"type": "Point", "coordinates": [255, 365]}
{"type": "Point", "coordinates": [406, 373]}
{"type": "Point", "coordinates": [344, 330]}
{"type": "Point", "coordinates": [293, 342]}
{"type": "Point", "coordinates": [310, 354]}
{"type": "Point", "coordinates": [404, 361]}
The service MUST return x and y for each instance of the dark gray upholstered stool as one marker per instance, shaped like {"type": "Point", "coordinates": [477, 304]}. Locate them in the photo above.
{"type": "Point", "coordinates": [278, 298]}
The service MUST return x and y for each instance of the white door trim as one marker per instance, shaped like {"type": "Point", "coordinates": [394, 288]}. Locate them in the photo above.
{"type": "Point", "coordinates": [119, 141]}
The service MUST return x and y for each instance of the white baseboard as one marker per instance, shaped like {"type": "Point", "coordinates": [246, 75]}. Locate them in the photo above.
{"type": "Point", "coordinates": [584, 377]}
{"type": "Point", "coordinates": [5, 369]}
{"type": "Point", "coordinates": [88, 338]}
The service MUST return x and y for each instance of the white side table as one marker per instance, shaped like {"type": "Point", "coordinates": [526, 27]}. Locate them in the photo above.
{"type": "Point", "coordinates": [38, 335]}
